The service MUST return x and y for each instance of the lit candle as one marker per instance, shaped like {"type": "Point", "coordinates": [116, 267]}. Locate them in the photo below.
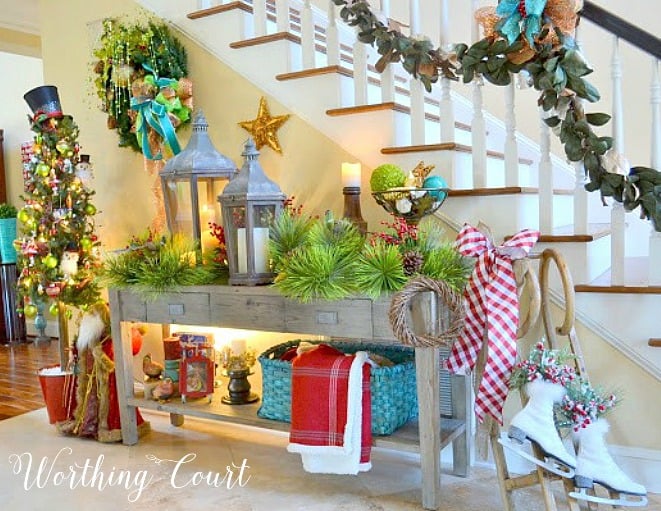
{"type": "Point", "coordinates": [238, 346]}
{"type": "Point", "coordinates": [208, 242]}
{"type": "Point", "coordinates": [260, 239]}
{"type": "Point", "coordinates": [351, 175]}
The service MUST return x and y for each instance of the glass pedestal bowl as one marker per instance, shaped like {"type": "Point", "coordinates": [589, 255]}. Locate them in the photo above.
{"type": "Point", "coordinates": [409, 203]}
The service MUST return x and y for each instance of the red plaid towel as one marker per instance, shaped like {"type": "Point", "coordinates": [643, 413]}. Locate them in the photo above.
{"type": "Point", "coordinates": [331, 411]}
{"type": "Point", "coordinates": [492, 304]}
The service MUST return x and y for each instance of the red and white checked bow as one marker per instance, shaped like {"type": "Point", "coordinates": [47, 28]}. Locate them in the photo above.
{"type": "Point", "coordinates": [492, 304]}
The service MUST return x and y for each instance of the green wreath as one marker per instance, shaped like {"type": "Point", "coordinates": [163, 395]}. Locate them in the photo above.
{"type": "Point", "coordinates": [526, 37]}
{"type": "Point", "coordinates": [140, 80]}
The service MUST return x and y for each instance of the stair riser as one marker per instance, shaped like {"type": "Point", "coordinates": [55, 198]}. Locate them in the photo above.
{"type": "Point", "coordinates": [505, 214]}
{"type": "Point", "coordinates": [586, 261]}
{"type": "Point", "coordinates": [634, 319]}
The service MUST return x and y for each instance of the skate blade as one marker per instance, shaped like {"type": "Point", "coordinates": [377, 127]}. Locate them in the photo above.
{"type": "Point", "coordinates": [625, 500]}
{"type": "Point", "coordinates": [554, 466]}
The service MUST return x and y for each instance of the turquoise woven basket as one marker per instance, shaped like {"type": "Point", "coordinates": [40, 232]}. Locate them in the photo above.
{"type": "Point", "coordinates": [393, 389]}
{"type": "Point", "coordinates": [7, 237]}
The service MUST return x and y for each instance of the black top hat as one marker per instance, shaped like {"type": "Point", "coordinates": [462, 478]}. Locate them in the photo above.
{"type": "Point", "coordinates": [44, 102]}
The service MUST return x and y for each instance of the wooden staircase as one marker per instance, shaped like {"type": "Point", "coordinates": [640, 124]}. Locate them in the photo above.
{"type": "Point", "coordinates": [325, 96]}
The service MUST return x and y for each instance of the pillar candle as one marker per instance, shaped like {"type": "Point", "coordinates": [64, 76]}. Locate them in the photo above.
{"type": "Point", "coordinates": [260, 238]}
{"type": "Point", "coordinates": [238, 346]}
{"type": "Point", "coordinates": [351, 175]}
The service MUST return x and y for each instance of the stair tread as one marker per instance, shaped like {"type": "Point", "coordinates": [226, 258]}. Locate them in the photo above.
{"type": "Point", "coordinates": [635, 275]}
{"type": "Point", "coordinates": [216, 9]}
{"type": "Point", "coordinates": [388, 105]}
{"type": "Point", "coordinates": [447, 146]}
{"type": "Point", "coordinates": [264, 39]}
{"type": "Point", "coordinates": [502, 190]}
{"type": "Point", "coordinates": [567, 234]}
{"type": "Point", "coordinates": [315, 72]}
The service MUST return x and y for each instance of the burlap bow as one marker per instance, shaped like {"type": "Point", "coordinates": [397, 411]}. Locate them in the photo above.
{"type": "Point", "coordinates": [492, 304]}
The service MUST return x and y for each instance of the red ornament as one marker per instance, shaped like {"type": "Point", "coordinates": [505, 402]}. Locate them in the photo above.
{"type": "Point", "coordinates": [136, 340]}
{"type": "Point", "coordinates": [53, 290]}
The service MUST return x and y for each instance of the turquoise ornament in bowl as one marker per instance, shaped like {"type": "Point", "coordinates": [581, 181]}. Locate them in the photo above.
{"type": "Point", "coordinates": [438, 186]}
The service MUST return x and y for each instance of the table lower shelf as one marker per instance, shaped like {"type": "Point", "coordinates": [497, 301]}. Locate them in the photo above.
{"type": "Point", "coordinates": [405, 438]}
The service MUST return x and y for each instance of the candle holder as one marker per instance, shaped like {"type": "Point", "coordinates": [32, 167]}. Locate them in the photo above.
{"type": "Point", "coordinates": [239, 388]}
{"type": "Point", "coordinates": [352, 207]}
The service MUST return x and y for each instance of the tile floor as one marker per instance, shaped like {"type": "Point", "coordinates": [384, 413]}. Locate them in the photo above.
{"type": "Point", "coordinates": [159, 473]}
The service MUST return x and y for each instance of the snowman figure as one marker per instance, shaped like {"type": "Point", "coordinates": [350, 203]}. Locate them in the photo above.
{"type": "Point", "coordinates": [69, 262]}
{"type": "Point", "coordinates": [84, 169]}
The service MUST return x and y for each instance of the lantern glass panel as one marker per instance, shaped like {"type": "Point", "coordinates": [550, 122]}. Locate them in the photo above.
{"type": "Point", "coordinates": [237, 222]}
{"type": "Point", "coordinates": [180, 200]}
{"type": "Point", "coordinates": [208, 190]}
{"type": "Point", "coordinates": [263, 216]}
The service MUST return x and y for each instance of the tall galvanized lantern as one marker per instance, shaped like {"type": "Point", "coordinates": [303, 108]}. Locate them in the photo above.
{"type": "Point", "coordinates": [249, 204]}
{"type": "Point", "coordinates": [191, 182]}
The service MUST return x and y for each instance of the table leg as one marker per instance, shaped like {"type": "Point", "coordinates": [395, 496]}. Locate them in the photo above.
{"type": "Point", "coordinates": [123, 371]}
{"type": "Point", "coordinates": [429, 424]}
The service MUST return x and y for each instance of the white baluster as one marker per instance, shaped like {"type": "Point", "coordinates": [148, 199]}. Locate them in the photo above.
{"type": "Point", "coordinates": [307, 36]}
{"type": "Point", "coordinates": [618, 225]}
{"type": "Point", "coordinates": [478, 125]}
{"type": "Point", "coordinates": [511, 147]}
{"type": "Point", "coordinates": [545, 181]}
{"type": "Point", "coordinates": [282, 15]}
{"type": "Point", "coordinates": [446, 106]}
{"type": "Point", "coordinates": [415, 85]}
{"type": "Point", "coordinates": [655, 236]}
{"type": "Point", "coordinates": [259, 17]}
{"type": "Point", "coordinates": [388, 75]}
{"type": "Point", "coordinates": [656, 115]}
{"type": "Point", "coordinates": [332, 37]}
{"type": "Point", "coordinates": [360, 73]}
{"type": "Point", "coordinates": [580, 196]}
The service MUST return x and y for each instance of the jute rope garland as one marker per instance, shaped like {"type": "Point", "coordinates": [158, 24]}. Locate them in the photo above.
{"type": "Point", "coordinates": [399, 307]}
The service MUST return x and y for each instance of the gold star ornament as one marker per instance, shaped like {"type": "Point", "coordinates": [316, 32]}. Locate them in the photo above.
{"type": "Point", "coordinates": [264, 128]}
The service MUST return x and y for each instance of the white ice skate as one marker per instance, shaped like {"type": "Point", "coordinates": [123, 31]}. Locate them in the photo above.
{"type": "Point", "coordinates": [594, 465]}
{"type": "Point", "coordinates": [535, 424]}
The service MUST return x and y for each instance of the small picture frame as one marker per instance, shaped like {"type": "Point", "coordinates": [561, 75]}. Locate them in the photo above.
{"type": "Point", "coordinates": [197, 377]}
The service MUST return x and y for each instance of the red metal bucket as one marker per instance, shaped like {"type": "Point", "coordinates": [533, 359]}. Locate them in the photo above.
{"type": "Point", "coordinates": [58, 389]}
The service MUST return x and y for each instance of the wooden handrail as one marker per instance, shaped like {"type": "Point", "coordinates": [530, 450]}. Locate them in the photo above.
{"type": "Point", "coordinates": [622, 28]}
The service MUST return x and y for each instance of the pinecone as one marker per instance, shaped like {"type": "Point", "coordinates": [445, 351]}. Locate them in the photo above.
{"type": "Point", "coordinates": [412, 262]}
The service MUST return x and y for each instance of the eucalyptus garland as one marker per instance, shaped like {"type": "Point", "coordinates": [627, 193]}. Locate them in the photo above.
{"type": "Point", "coordinates": [135, 61]}
{"type": "Point", "coordinates": [535, 43]}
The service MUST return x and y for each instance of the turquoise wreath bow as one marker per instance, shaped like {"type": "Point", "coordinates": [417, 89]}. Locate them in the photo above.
{"type": "Point", "coordinates": [153, 112]}
{"type": "Point", "coordinates": [513, 22]}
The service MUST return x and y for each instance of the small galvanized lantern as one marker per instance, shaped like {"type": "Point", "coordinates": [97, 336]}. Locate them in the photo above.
{"type": "Point", "coordinates": [191, 182]}
{"type": "Point", "coordinates": [249, 203]}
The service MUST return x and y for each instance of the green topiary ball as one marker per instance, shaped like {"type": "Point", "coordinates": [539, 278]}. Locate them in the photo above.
{"type": "Point", "coordinates": [387, 176]}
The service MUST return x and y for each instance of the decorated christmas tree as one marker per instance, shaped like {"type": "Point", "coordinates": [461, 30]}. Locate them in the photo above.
{"type": "Point", "coordinates": [57, 248]}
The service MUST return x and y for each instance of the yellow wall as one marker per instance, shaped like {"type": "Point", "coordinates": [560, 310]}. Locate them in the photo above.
{"type": "Point", "coordinates": [20, 43]}
{"type": "Point", "coordinates": [309, 169]}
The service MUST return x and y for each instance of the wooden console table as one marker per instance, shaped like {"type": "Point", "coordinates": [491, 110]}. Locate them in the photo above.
{"type": "Point", "coordinates": [264, 308]}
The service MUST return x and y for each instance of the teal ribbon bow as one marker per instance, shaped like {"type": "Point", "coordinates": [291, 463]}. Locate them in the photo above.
{"type": "Point", "coordinates": [513, 23]}
{"type": "Point", "coordinates": [153, 112]}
